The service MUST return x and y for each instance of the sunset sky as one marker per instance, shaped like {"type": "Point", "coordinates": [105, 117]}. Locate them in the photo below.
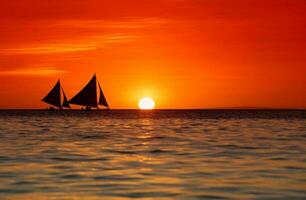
{"type": "Point", "coordinates": [182, 53]}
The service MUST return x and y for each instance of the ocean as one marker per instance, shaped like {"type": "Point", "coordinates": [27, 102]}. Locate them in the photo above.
{"type": "Point", "coordinates": [159, 154]}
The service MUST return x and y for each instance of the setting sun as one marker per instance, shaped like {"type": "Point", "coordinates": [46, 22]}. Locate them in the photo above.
{"type": "Point", "coordinates": [146, 103]}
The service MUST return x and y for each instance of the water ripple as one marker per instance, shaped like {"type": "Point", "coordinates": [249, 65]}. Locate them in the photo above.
{"type": "Point", "coordinates": [153, 155]}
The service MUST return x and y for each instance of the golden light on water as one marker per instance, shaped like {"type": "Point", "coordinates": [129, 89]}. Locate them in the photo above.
{"type": "Point", "coordinates": [146, 103]}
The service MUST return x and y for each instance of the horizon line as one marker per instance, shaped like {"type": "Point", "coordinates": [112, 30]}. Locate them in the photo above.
{"type": "Point", "coordinates": [214, 108]}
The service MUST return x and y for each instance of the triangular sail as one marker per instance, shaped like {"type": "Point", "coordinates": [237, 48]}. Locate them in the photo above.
{"type": "Point", "coordinates": [54, 96]}
{"type": "Point", "coordinates": [102, 100]}
{"type": "Point", "coordinates": [65, 102]}
{"type": "Point", "coordinates": [88, 95]}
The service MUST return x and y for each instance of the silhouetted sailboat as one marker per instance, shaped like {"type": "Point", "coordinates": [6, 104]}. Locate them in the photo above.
{"type": "Point", "coordinates": [54, 97]}
{"type": "Point", "coordinates": [88, 96]}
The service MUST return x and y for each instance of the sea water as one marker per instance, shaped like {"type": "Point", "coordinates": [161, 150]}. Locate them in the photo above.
{"type": "Point", "coordinates": [161, 154]}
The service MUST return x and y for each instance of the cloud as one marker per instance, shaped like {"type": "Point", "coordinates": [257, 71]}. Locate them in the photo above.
{"type": "Point", "coordinates": [86, 44]}
{"type": "Point", "coordinates": [69, 36]}
{"type": "Point", "coordinates": [33, 72]}
{"type": "Point", "coordinates": [126, 23]}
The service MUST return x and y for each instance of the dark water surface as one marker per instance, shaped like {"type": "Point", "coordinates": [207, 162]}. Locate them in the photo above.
{"type": "Point", "coordinates": [178, 154]}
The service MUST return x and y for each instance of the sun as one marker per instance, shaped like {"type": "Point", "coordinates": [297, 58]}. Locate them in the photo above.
{"type": "Point", "coordinates": [146, 103]}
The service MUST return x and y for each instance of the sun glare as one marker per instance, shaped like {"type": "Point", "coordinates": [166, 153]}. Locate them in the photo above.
{"type": "Point", "coordinates": [146, 103]}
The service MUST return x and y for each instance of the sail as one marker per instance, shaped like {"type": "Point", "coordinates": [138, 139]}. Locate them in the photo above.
{"type": "Point", "coordinates": [66, 102]}
{"type": "Point", "coordinates": [88, 95]}
{"type": "Point", "coordinates": [54, 96]}
{"type": "Point", "coordinates": [102, 100]}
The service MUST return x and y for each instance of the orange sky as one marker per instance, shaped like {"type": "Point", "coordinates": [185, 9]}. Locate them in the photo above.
{"type": "Point", "coordinates": [183, 53]}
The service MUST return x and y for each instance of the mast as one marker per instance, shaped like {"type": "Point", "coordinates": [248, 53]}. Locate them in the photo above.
{"type": "Point", "coordinates": [54, 96]}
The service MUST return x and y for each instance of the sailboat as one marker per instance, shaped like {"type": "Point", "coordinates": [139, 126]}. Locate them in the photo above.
{"type": "Point", "coordinates": [88, 96]}
{"type": "Point", "coordinates": [54, 97]}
